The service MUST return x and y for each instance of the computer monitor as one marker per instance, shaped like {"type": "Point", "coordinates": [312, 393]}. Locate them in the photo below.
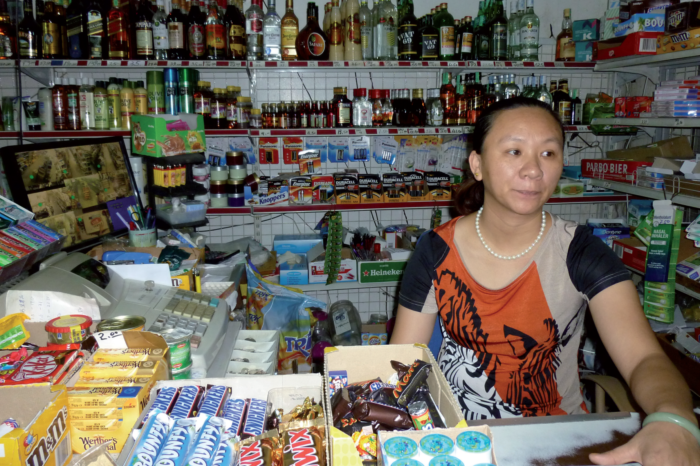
{"type": "Point", "coordinates": [80, 188]}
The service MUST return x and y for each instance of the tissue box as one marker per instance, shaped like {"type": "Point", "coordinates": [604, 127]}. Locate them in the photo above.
{"type": "Point", "coordinates": [296, 274]}
{"type": "Point", "coordinates": [642, 22]}
{"type": "Point", "coordinates": [586, 29]}
{"type": "Point", "coordinates": [150, 135]}
{"type": "Point", "coordinates": [584, 51]}
{"type": "Point", "coordinates": [298, 244]}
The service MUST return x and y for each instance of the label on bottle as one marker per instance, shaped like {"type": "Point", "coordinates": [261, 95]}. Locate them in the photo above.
{"type": "Point", "coordinates": [567, 48]}
{"type": "Point", "coordinates": [156, 98]}
{"type": "Point", "coordinates": [195, 34]}
{"type": "Point", "coordinates": [59, 111]}
{"type": "Point", "coordinates": [202, 105]}
{"type": "Point", "coordinates": [564, 111]}
{"type": "Point", "coordinates": [341, 322]}
{"type": "Point", "coordinates": [161, 35]}
{"type": "Point", "coordinates": [52, 39]}
{"type": "Point", "coordinates": [316, 44]}
{"type": "Point", "coordinates": [74, 25]}
{"type": "Point", "coordinates": [95, 33]}
{"type": "Point", "coordinates": [344, 114]}
{"type": "Point", "coordinates": [272, 37]}
{"type": "Point", "coordinates": [289, 38]}
{"type": "Point", "coordinates": [218, 110]}
{"type": "Point", "coordinates": [176, 35]}
{"type": "Point", "coordinates": [430, 47]}
{"type": "Point", "coordinates": [467, 42]}
{"type": "Point", "coordinates": [231, 113]}
{"type": "Point", "coordinates": [499, 41]}
{"type": "Point", "coordinates": [336, 37]}
{"type": "Point", "coordinates": [101, 119]}
{"type": "Point", "coordinates": [447, 41]}
{"type": "Point", "coordinates": [366, 39]}
{"type": "Point", "coordinates": [236, 40]}
{"type": "Point", "coordinates": [353, 29]}
{"type": "Point", "coordinates": [406, 36]}
{"type": "Point", "coordinates": [484, 45]}
{"type": "Point", "coordinates": [28, 45]}
{"type": "Point", "coordinates": [253, 24]}
{"type": "Point", "coordinates": [216, 37]}
{"type": "Point", "coordinates": [144, 38]}
{"type": "Point", "coordinates": [529, 38]}
{"type": "Point", "coordinates": [118, 34]}
{"type": "Point", "coordinates": [141, 102]}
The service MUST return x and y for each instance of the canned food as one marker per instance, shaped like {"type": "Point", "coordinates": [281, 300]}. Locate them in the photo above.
{"type": "Point", "coordinates": [179, 343]}
{"type": "Point", "coordinates": [122, 323]}
{"type": "Point", "coordinates": [69, 329]}
{"type": "Point", "coordinates": [183, 373]}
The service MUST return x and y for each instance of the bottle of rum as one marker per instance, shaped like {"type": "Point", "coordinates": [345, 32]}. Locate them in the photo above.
{"type": "Point", "coordinates": [234, 22]}
{"type": "Point", "coordinates": [161, 39]}
{"type": "Point", "coordinates": [215, 33]}
{"type": "Point", "coordinates": [60, 17]}
{"type": "Point", "coordinates": [60, 105]}
{"type": "Point", "coordinates": [29, 33]}
{"type": "Point", "coordinates": [118, 32]}
{"type": "Point", "coordinates": [530, 34]}
{"type": "Point", "coordinates": [144, 32]}
{"type": "Point", "coordinates": [562, 102]}
{"type": "Point", "coordinates": [290, 31]}
{"type": "Point", "coordinates": [336, 50]}
{"type": "Point", "coordinates": [176, 32]}
{"type": "Point", "coordinates": [353, 37]}
{"type": "Point", "coordinates": [312, 43]}
{"type": "Point", "coordinates": [408, 34]}
{"type": "Point", "coordinates": [566, 49]}
{"type": "Point", "coordinates": [51, 33]}
{"type": "Point", "coordinates": [195, 32]}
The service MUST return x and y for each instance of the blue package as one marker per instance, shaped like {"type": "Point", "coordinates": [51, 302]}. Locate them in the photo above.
{"type": "Point", "coordinates": [165, 400]}
{"type": "Point", "coordinates": [178, 442]}
{"type": "Point", "coordinates": [226, 452]}
{"type": "Point", "coordinates": [214, 400]}
{"type": "Point", "coordinates": [233, 411]}
{"type": "Point", "coordinates": [254, 418]}
{"type": "Point", "coordinates": [319, 144]}
{"type": "Point", "coordinates": [151, 440]}
{"type": "Point", "coordinates": [338, 150]}
{"type": "Point", "coordinates": [202, 451]}
{"type": "Point", "coordinates": [187, 403]}
{"type": "Point", "coordinates": [44, 229]}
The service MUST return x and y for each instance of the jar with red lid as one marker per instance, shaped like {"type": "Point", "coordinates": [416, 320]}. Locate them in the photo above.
{"type": "Point", "coordinates": [68, 329]}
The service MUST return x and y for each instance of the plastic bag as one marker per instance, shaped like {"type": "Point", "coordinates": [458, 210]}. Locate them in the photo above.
{"type": "Point", "coordinates": [276, 307]}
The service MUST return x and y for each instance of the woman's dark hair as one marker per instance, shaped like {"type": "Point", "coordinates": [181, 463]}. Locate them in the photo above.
{"type": "Point", "coordinates": [470, 194]}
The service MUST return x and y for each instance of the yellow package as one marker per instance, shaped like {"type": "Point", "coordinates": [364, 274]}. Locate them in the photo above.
{"type": "Point", "coordinates": [113, 382]}
{"type": "Point", "coordinates": [128, 354]}
{"type": "Point", "coordinates": [12, 331]}
{"type": "Point", "coordinates": [88, 414]}
{"type": "Point", "coordinates": [195, 140]}
{"type": "Point", "coordinates": [105, 370]}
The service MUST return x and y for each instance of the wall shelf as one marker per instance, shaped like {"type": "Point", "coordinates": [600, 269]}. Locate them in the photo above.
{"type": "Point", "coordinates": [678, 199]}
{"type": "Point", "coordinates": [343, 286]}
{"type": "Point", "coordinates": [650, 122]}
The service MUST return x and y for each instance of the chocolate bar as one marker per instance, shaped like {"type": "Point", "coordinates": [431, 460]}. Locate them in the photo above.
{"type": "Point", "coordinates": [187, 403]}
{"type": "Point", "coordinates": [177, 443]}
{"type": "Point", "coordinates": [254, 418]}
{"type": "Point", "coordinates": [165, 400]}
{"type": "Point", "coordinates": [151, 440]}
{"type": "Point", "coordinates": [214, 400]}
{"type": "Point", "coordinates": [234, 410]}
{"type": "Point", "coordinates": [202, 451]}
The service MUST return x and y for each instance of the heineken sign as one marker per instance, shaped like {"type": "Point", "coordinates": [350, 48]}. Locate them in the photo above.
{"type": "Point", "coordinates": [376, 272]}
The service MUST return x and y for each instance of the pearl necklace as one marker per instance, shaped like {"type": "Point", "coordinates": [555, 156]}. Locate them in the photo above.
{"type": "Point", "coordinates": [517, 256]}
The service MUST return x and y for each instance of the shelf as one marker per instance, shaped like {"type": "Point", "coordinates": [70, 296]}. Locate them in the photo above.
{"type": "Point", "coordinates": [681, 288]}
{"type": "Point", "coordinates": [9, 134]}
{"type": "Point", "coordinates": [650, 122]}
{"type": "Point", "coordinates": [343, 286]}
{"type": "Point", "coordinates": [197, 157]}
{"type": "Point", "coordinates": [88, 133]}
{"type": "Point", "coordinates": [194, 190]}
{"type": "Point", "coordinates": [222, 65]}
{"type": "Point", "coordinates": [688, 57]}
{"type": "Point", "coordinates": [678, 199]}
{"type": "Point", "coordinates": [165, 225]}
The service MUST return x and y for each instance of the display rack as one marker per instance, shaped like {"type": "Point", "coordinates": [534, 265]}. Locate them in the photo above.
{"type": "Point", "coordinates": [678, 199]}
{"type": "Point", "coordinates": [650, 122]}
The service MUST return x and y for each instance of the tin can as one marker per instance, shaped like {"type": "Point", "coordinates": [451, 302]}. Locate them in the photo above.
{"type": "Point", "coordinates": [122, 323]}
{"type": "Point", "coordinates": [68, 329]}
{"type": "Point", "coordinates": [187, 79]}
{"type": "Point", "coordinates": [172, 91]}
{"type": "Point", "coordinates": [180, 350]}
{"type": "Point", "coordinates": [183, 374]}
{"type": "Point", "coordinates": [156, 92]}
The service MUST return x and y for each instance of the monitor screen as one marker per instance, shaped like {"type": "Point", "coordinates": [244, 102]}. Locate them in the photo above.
{"type": "Point", "coordinates": [80, 188]}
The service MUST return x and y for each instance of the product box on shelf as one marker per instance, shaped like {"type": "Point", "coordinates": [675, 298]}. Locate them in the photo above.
{"type": "Point", "coordinates": [631, 107]}
{"type": "Point", "coordinates": [636, 209]}
{"type": "Point", "coordinates": [611, 19]}
{"type": "Point", "coordinates": [643, 22]}
{"type": "Point", "coordinates": [585, 51]}
{"type": "Point", "coordinates": [614, 170]}
{"type": "Point", "coordinates": [166, 135]}
{"type": "Point", "coordinates": [394, 187]}
{"type": "Point", "coordinates": [686, 40]}
{"type": "Point", "coordinates": [295, 273]}
{"type": "Point", "coordinates": [638, 43]}
{"type": "Point", "coordinates": [381, 271]}
{"type": "Point", "coordinates": [608, 229]}
{"type": "Point", "coordinates": [370, 188]}
{"type": "Point", "coordinates": [309, 162]}
{"type": "Point", "coordinates": [675, 148]}
{"type": "Point", "coordinates": [300, 190]}
{"type": "Point", "coordinates": [682, 17]}
{"type": "Point", "coordinates": [437, 186]}
{"type": "Point", "coordinates": [323, 189]}
{"type": "Point", "coordinates": [374, 334]}
{"type": "Point", "coordinates": [347, 188]}
{"type": "Point", "coordinates": [636, 7]}
{"type": "Point", "coordinates": [632, 252]}
{"type": "Point", "coordinates": [42, 438]}
{"type": "Point", "coordinates": [586, 29]}
{"type": "Point", "coordinates": [415, 186]}
{"type": "Point", "coordinates": [317, 257]}
{"type": "Point", "coordinates": [376, 363]}
{"type": "Point", "coordinates": [297, 244]}
{"type": "Point", "coordinates": [277, 194]}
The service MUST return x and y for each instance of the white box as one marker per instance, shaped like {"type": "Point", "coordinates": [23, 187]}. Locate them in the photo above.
{"type": "Point", "coordinates": [348, 265]}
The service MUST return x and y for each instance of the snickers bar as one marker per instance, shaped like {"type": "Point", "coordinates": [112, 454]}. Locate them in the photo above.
{"type": "Point", "coordinates": [254, 424]}
{"type": "Point", "coordinates": [214, 400]}
{"type": "Point", "coordinates": [234, 410]}
{"type": "Point", "coordinates": [187, 402]}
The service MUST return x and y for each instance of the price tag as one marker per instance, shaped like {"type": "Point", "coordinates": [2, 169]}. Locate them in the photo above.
{"type": "Point", "coordinates": [468, 130]}
{"type": "Point", "coordinates": [391, 64]}
{"type": "Point", "coordinates": [197, 63]}
{"type": "Point", "coordinates": [359, 132]}
{"type": "Point", "coordinates": [402, 131]}
{"type": "Point", "coordinates": [516, 64]}
{"type": "Point", "coordinates": [643, 121]}
{"type": "Point", "coordinates": [452, 64]}
{"type": "Point", "coordinates": [265, 132]}
{"type": "Point", "coordinates": [94, 63]}
{"type": "Point", "coordinates": [487, 64]}
{"type": "Point", "coordinates": [209, 64]}
{"type": "Point", "coordinates": [137, 63]}
{"type": "Point", "coordinates": [44, 63]}
{"type": "Point", "coordinates": [342, 132]}
{"type": "Point", "coordinates": [114, 63]}
{"type": "Point", "coordinates": [539, 64]}
{"type": "Point", "coordinates": [472, 64]}
{"type": "Point", "coordinates": [311, 64]}
{"type": "Point", "coordinates": [417, 64]}
{"type": "Point", "coordinates": [678, 122]}
{"type": "Point", "coordinates": [617, 121]}
{"type": "Point", "coordinates": [382, 131]}
{"type": "Point", "coordinates": [311, 132]}
{"type": "Point", "coordinates": [154, 63]}
{"type": "Point", "coordinates": [110, 340]}
{"type": "Point", "coordinates": [357, 64]}
{"type": "Point", "coordinates": [413, 131]}
{"type": "Point", "coordinates": [607, 185]}
{"type": "Point", "coordinates": [499, 64]}
{"type": "Point", "coordinates": [458, 130]}
{"type": "Point", "coordinates": [67, 62]}
{"type": "Point", "coordinates": [7, 63]}
{"type": "Point", "coordinates": [338, 64]}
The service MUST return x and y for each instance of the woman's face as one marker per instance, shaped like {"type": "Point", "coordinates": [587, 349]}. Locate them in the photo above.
{"type": "Point", "coordinates": [522, 159]}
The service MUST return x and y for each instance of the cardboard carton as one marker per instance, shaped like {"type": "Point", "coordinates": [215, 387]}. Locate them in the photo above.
{"type": "Point", "coordinates": [370, 188]}
{"type": "Point", "coordinates": [638, 43]}
{"type": "Point", "coordinates": [586, 29]}
{"type": "Point", "coordinates": [347, 188]}
{"type": "Point", "coordinates": [632, 252]}
{"type": "Point", "coordinates": [585, 51]}
{"type": "Point", "coordinates": [415, 186]}
{"type": "Point", "coordinates": [394, 187]}
{"type": "Point", "coordinates": [682, 17]}
{"type": "Point", "coordinates": [323, 189]}
{"type": "Point", "coordinates": [642, 22]}
{"type": "Point", "coordinates": [685, 40]}
{"type": "Point", "coordinates": [317, 257]}
{"type": "Point", "coordinates": [676, 148]}
{"type": "Point", "coordinates": [300, 190]}
{"type": "Point", "coordinates": [437, 186]}
{"type": "Point", "coordinates": [151, 135]}
{"type": "Point", "coordinates": [614, 170]}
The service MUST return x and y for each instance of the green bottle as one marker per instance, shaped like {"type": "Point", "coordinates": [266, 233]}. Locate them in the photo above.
{"type": "Point", "coordinates": [499, 34]}
{"type": "Point", "coordinates": [101, 104]}
{"type": "Point", "coordinates": [446, 28]}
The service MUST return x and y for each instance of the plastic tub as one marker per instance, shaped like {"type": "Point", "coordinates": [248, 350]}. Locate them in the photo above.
{"type": "Point", "coordinates": [173, 217]}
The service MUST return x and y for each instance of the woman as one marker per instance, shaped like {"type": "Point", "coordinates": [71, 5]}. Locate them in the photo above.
{"type": "Point", "coordinates": [511, 285]}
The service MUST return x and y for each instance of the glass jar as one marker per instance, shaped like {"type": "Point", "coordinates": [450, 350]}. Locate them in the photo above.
{"type": "Point", "coordinates": [404, 115]}
{"type": "Point", "coordinates": [202, 101]}
{"type": "Point", "coordinates": [361, 109]}
{"type": "Point", "coordinates": [387, 108]}
{"type": "Point", "coordinates": [231, 104]}
{"type": "Point", "coordinates": [244, 107]}
{"type": "Point", "coordinates": [418, 107]}
{"type": "Point", "coordinates": [375, 96]}
{"type": "Point", "coordinates": [256, 118]}
{"type": "Point", "coordinates": [434, 108]}
{"type": "Point", "coordinates": [345, 326]}
{"type": "Point", "coordinates": [218, 110]}
{"type": "Point", "coordinates": [274, 117]}
{"type": "Point", "coordinates": [282, 114]}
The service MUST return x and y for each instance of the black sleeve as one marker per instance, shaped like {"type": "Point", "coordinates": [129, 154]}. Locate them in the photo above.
{"type": "Point", "coordinates": [418, 276]}
{"type": "Point", "coordinates": [592, 265]}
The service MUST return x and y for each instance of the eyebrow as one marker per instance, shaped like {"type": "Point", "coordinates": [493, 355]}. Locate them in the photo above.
{"type": "Point", "coordinates": [518, 139]}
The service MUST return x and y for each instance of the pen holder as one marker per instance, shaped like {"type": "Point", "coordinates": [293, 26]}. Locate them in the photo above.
{"type": "Point", "coordinates": [142, 238]}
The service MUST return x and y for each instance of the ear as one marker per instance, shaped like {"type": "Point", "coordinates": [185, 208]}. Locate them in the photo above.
{"type": "Point", "coordinates": [475, 165]}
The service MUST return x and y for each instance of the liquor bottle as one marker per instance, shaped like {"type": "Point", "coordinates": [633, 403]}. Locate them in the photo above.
{"type": "Point", "coordinates": [60, 17]}
{"type": "Point", "coordinates": [272, 34]}
{"type": "Point", "coordinates": [489, 97]}
{"type": "Point", "coordinates": [566, 49]}
{"type": "Point", "coordinates": [254, 29]}
{"type": "Point", "coordinates": [466, 47]}
{"type": "Point", "coordinates": [576, 108]}
{"type": "Point", "coordinates": [498, 29]}
{"type": "Point", "coordinates": [118, 32]}
{"type": "Point", "coordinates": [176, 32]}
{"type": "Point", "coordinates": [447, 99]}
{"type": "Point", "coordinates": [29, 33]}
{"type": "Point", "coordinates": [429, 37]}
{"type": "Point", "coordinates": [514, 32]}
{"type": "Point", "coordinates": [562, 102]}
{"type": "Point", "coordinates": [482, 38]}
{"type": "Point", "coordinates": [312, 43]}
{"type": "Point", "coordinates": [336, 51]}
{"type": "Point", "coordinates": [327, 18]}
{"type": "Point", "coordinates": [353, 39]}
{"type": "Point", "coordinates": [479, 94]}
{"type": "Point", "coordinates": [388, 19]}
{"type": "Point", "coordinates": [144, 32]}
{"type": "Point", "coordinates": [8, 49]}
{"type": "Point", "coordinates": [161, 38]}
{"type": "Point", "coordinates": [50, 33]}
{"type": "Point", "coordinates": [290, 31]}
{"type": "Point", "coordinates": [60, 105]}
{"type": "Point", "coordinates": [235, 29]}
{"type": "Point", "coordinates": [195, 32]}
{"type": "Point", "coordinates": [458, 37]}
{"type": "Point", "coordinates": [86, 96]}
{"type": "Point", "coordinates": [366, 30]}
{"type": "Point", "coordinates": [408, 34]}
{"type": "Point", "coordinates": [462, 104]}
{"type": "Point", "coordinates": [95, 22]}
{"type": "Point", "coordinates": [529, 34]}
{"type": "Point", "coordinates": [418, 107]}
{"type": "Point", "coordinates": [447, 33]}
{"type": "Point", "coordinates": [73, 105]}
{"type": "Point", "coordinates": [215, 33]}
{"type": "Point", "coordinates": [77, 30]}
{"type": "Point", "coordinates": [511, 89]}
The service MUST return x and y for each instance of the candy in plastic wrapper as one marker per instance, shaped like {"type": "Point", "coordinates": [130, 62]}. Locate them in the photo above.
{"type": "Point", "coordinates": [305, 446]}
{"type": "Point", "coordinates": [8, 426]}
{"type": "Point", "coordinates": [254, 424]}
{"type": "Point", "coordinates": [165, 400]}
{"type": "Point", "coordinates": [349, 425]}
{"type": "Point", "coordinates": [201, 452]}
{"type": "Point", "coordinates": [341, 404]}
{"type": "Point", "coordinates": [151, 440]}
{"type": "Point", "coordinates": [187, 403]}
{"type": "Point", "coordinates": [214, 399]}
{"type": "Point", "coordinates": [363, 389]}
{"type": "Point", "coordinates": [178, 442]}
{"type": "Point", "coordinates": [385, 396]}
{"type": "Point", "coordinates": [307, 410]}
{"type": "Point", "coordinates": [366, 445]}
{"type": "Point", "coordinates": [260, 452]}
{"type": "Point", "coordinates": [369, 411]}
{"type": "Point", "coordinates": [227, 451]}
{"type": "Point", "coordinates": [412, 380]}
{"type": "Point", "coordinates": [422, 420]}
{"type": "Point", "coordinates": [423, 394]}
{"type": "Point", "coordinates": [234, 409]}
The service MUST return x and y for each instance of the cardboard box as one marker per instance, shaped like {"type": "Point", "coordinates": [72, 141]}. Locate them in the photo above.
{"type": "Point", "coordinates": [675, 148]}
{"type": "Point", "coordinates": [295, 274]}
{"type": "Point", "coordinates": [279, 197]}
{"type": "Point", "coordinates": [42, 438]}
{"type": "Point", "coordinates": [649, 6]}
{"type": "Point", "coordinates": [298, 244]}
{"type": "Point", "coordinates": [624, 171]}
{"type": "Point", "coordinates": [415, 186]}
{"type": "Point", "coordinates": [686, 40]}
{"type": "Point", "coordinates": [394, 187]}
{"type": "Point", "coordinates": [300, 190]}
{"type": "Point", "coordinates": [608, 229]}
{"type": "Point", "coordinates": [323, 189]}
{"type": "Point", "coordinates": [639, 43]}
{"type": "Point", "coordinates": [317, 256]}
{"type": "Point", "coordinates": [585, 51]}
{"type": "Point", "coordinates": [586, 29]}
{"type": "Point", "coordinates": [636, 209]}
{"type": "Point", "coordinates": [374, 334]}
{"type": "Point", "coordinates": [381, 271]}
{"type": "Point", "coordinates": [370, 188]}
{"type": "Point", "coordinates": [347, 188]}
{"type": "Point", "coordinates": [375, 363]}
{"type": "Point", "coordinates": [611, 19]}
{"type": "Point", "coordinates": [150, 135]}
{"type": "Point", "coordinates": [632, 252]}
{"type": "Point", "coordinates": [642, 22]}
{"type": "Point", "coordinates": [682, 17]}
{"type": "Point", "coordinates": [631, 107]}
{"type": "Point", "coordinates": [438, 186]}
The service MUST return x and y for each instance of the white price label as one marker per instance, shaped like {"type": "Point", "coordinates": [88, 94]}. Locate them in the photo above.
{"type": "Point", "coordinates": [458, 130]}
{"type": "Point", "coordinates": [417, 64]}
{"type": "Point", "coordinates": [197, 63]}
{"type": "Point", "coordinates": [617, 121]}
{"type": "Point", "coordinates": [360, 132]}
{"type": "Point", "coordinates": [678, 122]}
{"type": "Point", "coordinates": [44, 62]}
{"type": "Point", "coordinates": [357, 64]}
{"type": "Point", "coordinates": [453, 64]}
{"type": "Point", "coordinates": [7, 63]}
{"type": "Point", "coordinates": [114, 63]}
{"type": "Point", "coordinates": [311, 64]}
{"type": "Point", "coordinates": [137, 63]}
{"type": "Point", "coordinates": [487, 64]}
{"type": "Point", "coordinates": [69, 62]}
{"type": "Point", "coordinates": [413, 131]}
{"type": "Point", "coordinates": [499, 64]}
{"type": "Point", "coordinates": [265, 132]}
{"type": "Point", "coordinates": [471, 64]}
{"type": "Point", "coordinates": [468, 130]}
{"type": "Point", "coordinates": [154, 63]}
{"type": "Point", "coordinates": [391, 63]}
{"type": "Point", "coordinates": [342, 132]}
{"type": "Point", "coordinates": [607, 185]}
{"type": "Point", "coordinates": [516, 64]}
{"type": "Point", "coordinates": [382, 131]}
{"type": "Point", "coordinates": [94, 63]}
{"type": "Point", "coordinates": [110, 340]}
{"type": "Point", "coordinates": [311, 132]}
{"type": "Point", "coordinates": [402, 131]}
{"type": "Point", "coordinates": [643, 121]}
{"type": "Point", "coordinates": [209, 64]}
{"type": "Point", "coordinates": [539, 64]}
{"type": "Point", "coordinates": [338, 64]}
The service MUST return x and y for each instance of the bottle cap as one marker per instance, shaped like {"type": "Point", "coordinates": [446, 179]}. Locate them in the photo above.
{"type": "Point", "coordinates": [417, 93]}
{"type": "Point", "coordinates": [255, 111]}
{"type": "Point", "coordinates": [362, 92]}
{"type": "Point", "coordinates": [375, 94]}
{"type": "Point", "coordinates": [231, 88]}
{"type": "Point", "coordinates": [218, 90]}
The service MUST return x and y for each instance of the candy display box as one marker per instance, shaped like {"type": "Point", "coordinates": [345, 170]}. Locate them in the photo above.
{"type": "Point", "coordinates": [167, 135]}
{"type": "Point", "coordinates": [376, 362]}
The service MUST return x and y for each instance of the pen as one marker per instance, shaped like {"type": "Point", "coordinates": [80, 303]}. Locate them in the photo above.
{"type": "Point", "coordinates": [126, 224]}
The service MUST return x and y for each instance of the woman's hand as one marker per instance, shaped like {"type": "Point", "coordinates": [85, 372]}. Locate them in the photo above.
{"type": "Point", "coordinates": [657, 444]}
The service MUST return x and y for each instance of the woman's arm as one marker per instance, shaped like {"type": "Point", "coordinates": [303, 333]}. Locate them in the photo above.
{"type": "Point", "coordinates": [412, 327]}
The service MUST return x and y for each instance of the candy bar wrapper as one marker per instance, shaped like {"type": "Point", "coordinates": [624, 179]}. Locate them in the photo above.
{"type": "Point", "coordinates": [188, 402]}
{"type": "Point", "coordinates": [201, 452]}
{"type": "Point", "coordinates": [254, 424]}
{"type": "Point", "coordinates": [369, 411]}
{"type": "Point", "coordinates": [341, 404]}
{"type": "Point", "coordinates": [227, 451]}
{"type": "Point", "coordinates": [423, 394]}
{"type": "Point", "coordinates": [414, 378]}
{"type": "Point", "coordinates": [363, 389]}
{"type": "Point", "coordinates": [151, 440]}
{"type": "Point", "coordinates": [234, 410]}
{"type": "Point", "coordinates": [305, 446]}
{"type": "Point", "coordinates": [178, 442]}
{"type": "Point", "coordinates": [261, 452]}
{"type": "Point", "coordinates": [385, 396]}
{"type": "Point", "coordinates": [349, 425]}
{"type": "Point", "coordinates": [165, 400]}
{"type": "Point", "coordinates": [214, 399]}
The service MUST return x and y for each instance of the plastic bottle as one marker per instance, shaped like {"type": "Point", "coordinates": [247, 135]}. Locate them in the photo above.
{"type": "Point", "coordinates": [86, 94]}
{"type": "Point", "coordinates": [60, 106]}
{"type": "Point", "coordinates": [140, 99]}
{"type": "Point", "coordinates": [114, 105]}
{"type": "Point", "coordinates": [101, 106]}
{"type": "Point", "coordinates": [128, 105]}
{"type": "Point", "coordinates": [73, 101]}
{"type": "Point", "coordinates": [46, 108]}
